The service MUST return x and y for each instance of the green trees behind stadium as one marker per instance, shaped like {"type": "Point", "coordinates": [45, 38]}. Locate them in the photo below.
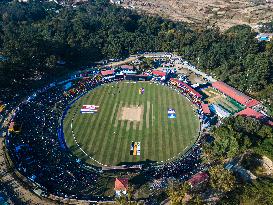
{"type": "Point", "coordinates": [35, 35]}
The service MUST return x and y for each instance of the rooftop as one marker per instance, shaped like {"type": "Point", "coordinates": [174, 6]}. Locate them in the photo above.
{"type": "Point", "coordinates": [129, 67]}
{"type": "Point", "coordinates": [198, 178]}
{"type": "Point", "coordinates": [187, 86]}
{"type": "Point", "coordinates": [107, 72]}
{"type": "Point", "coordinates": [205, 108]}
{"type": "Point", "coordinates": [121, 184]}
{"type": "Point", "coordinates": [269, 122]}
{"type": "Point", "coordinates": [264, 34]}
{"type": "Point", "coordinates": [248, 112]}
{"type": "Point", "coordinates": [235, 94]}
{"type": "Point", "coordinates": [159, 73]}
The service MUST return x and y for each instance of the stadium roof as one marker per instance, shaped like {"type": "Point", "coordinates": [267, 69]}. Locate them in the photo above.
{"type": "Point", "coordinates": [107, 72]}
{"type": "Point", "coordinates": [121, 184]}
{"type": "Point", "coordinates": [248, 112]}
{"type": "Point", "coordinates": [235, 94]}
{"type": "Point", "coordinates": [187, 86]}
{"type": "Point", "coordinates": [159, 73]}
{"type": "Point", "coordinates": [252, 103]}
{"type": "Point", "coordinates": [205, 108]}
{"type": "Point", "coordinates": [198, 178]}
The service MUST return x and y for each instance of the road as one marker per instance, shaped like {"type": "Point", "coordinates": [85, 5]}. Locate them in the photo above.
{"type": "Point", "coordinates": [198, 72]}
{"type": "Point", "coordinates": [169, 55]}
{"type": "Point", "coordinates": [127, 60]}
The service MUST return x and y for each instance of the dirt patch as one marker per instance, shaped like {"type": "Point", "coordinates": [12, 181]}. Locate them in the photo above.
{"type": "Point", "coordinates": [132, 113]}
{"type": "Point", "coordinates": [148, 114]}
{"type": "Point", "coordinates": [126, 61]}
{"type": "Point", "coordinates": [267, 165]}
{"type": "Point", "coordinates": [191, 76]}
{"type": "Point", "coordinates": [182, 70]}
{"type": "Point", "coordinates": [218, 13]}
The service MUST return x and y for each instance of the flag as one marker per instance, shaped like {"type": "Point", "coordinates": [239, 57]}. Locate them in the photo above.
{"type": "Point", "coordinates": [138, 148]}
{"type": "Point", "coordinates": [141, 91]}
{"type": "Point", "coordinates": [132, 148]}
{"type": "Point", "coordinates": [171, 113]}
{"type": "Point", "coordinates": [135, 149]}
{"type": "Point", "coordinates": [92, 109]}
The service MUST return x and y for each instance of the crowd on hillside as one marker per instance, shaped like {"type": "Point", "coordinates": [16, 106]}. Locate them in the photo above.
{"type": "Point", "coordinates": [182, 168]}
{"type": "Point", "coordinates": [36, 151]}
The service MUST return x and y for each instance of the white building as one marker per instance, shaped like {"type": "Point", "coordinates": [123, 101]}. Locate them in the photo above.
{"type": "Point", "coordinates": [116, 1]}
{"type": "Point", "coordinates": [222, 113]}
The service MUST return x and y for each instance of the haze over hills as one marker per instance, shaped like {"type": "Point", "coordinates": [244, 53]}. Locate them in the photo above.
{"type": "Point", "coordinates": [221, 13]}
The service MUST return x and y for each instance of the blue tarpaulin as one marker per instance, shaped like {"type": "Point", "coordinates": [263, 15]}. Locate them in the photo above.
{"type": "Point", "coordinates": [67, 86]}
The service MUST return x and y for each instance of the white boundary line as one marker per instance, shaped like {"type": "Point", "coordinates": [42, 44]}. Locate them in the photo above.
{"type": "Point", "coordinates": [160, 162]}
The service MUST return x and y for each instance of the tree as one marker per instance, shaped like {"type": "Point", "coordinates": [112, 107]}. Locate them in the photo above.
{"type": "Point", "coordinates": [225, 143]}
{"type": "Point", "coordinates": [31, 34]}
{"type": "Point", "coordinates": [177, 193]}
{"type": "Point", "coordinates": [221, 179]}
{"type": "Point", "coordinates": [130, 192]}
{"type": "Point", "coordinates": [121, 200]}
{"type": "Point", "coordinates": [196, 200]}
{"type": "Point", "coordinates": [236, 136]}
{"type": "Point", "coordinates": [260, 192]}
{"type": "Point", "coordinates": [125, 199]}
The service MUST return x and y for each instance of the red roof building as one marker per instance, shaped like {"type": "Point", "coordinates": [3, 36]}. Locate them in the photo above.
{"type": "Point", "coordinates": [128, 67]}
{"type": "Point", "coordinates": [189, 88]}
{"type": "Point", "coordinates": [198, 179]}
{"type": "Point", "coordinates": [235, 94]}
{"type": "Point", "coordinates": [269, 122]}
{"type": "Point", "coordinates": [107, 72]}
{"type": "Point", "coordinates": [158, 73]}
{"type": "Point", "coordinates": [121, 184]}
{"type": "Point", "coordinates": [248, 112]}
{"type": "Point", "coordinates": [205, 108]}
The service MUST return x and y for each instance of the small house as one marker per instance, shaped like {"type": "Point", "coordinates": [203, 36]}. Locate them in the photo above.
{"type": "Point", "coordinates": [121, 186]}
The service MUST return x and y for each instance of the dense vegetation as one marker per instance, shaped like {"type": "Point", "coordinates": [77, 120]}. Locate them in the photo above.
{"type": "Point", "coordinates": [244, 141]}
{"type": "Point", "coordinates": [36, 35]}
{"type": "Point", "coordinates": [239, 135]}
{"type": "Point", "coordinates": [259, 192]}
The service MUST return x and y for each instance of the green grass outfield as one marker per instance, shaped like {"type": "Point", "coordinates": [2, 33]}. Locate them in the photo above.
{"type": "Point", "coordinates": [107, 139]}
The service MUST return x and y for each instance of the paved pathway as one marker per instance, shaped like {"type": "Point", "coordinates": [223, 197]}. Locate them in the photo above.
{"type": "Point", "coordinates": [127, 60]}
{"type": "Point", "coordinates": [198, 72]}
